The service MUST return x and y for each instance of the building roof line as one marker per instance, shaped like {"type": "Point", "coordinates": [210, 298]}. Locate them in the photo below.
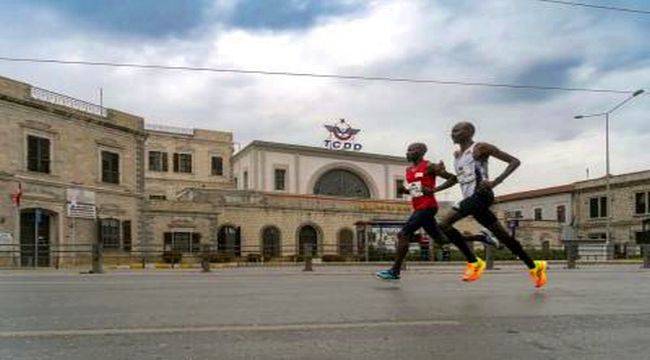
{"type": "Point", "coordinates": [292, 148]}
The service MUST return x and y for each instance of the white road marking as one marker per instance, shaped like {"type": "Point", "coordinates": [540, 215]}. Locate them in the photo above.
{"type": "Point", "coordinates": [223, 328]}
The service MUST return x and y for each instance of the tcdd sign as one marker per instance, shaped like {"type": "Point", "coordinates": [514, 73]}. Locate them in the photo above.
{"type": "Point", "coordinates": [342, 137]}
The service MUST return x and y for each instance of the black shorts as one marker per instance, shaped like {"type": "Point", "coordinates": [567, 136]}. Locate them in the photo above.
{"type": "Point", "coordinates": [478, 206]}
{"type": "Point", "coordinates": [425, 219]}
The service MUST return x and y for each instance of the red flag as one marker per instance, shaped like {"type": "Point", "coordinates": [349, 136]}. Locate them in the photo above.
{"type": "Point", "coordinates": [15, 197]}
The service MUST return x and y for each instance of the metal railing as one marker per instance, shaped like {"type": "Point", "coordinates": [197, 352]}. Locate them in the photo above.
{"type": "Point", "coordinates": [169, 129]}
{"type": "Point", "coordinates": [67, 101]}
{"type": "Point", "coordinates": [97, 257]}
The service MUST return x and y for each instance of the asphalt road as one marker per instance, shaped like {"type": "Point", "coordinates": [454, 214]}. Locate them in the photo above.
{"type": "Point", "coordinates": [333, 313]}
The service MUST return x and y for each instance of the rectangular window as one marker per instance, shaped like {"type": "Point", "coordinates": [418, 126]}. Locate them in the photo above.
{"type": "Point", "coordinates": [561, 214]}
{"type": "Point", "coordinates": [157, 197]}
{"type": "Point", "coordinates": [182, 241]}
{"type": "Point", "coordinates": [126, 235]}
{"type": "Point", "coordinates": [110, 167]}
{"type": "Point", "coordinates": [518, 214]}
{"type": "Point", "coordinates": [280, 179]}
{"type": "Point", "coordinates": [597, 236]}
{"type": "Point", "coordinates": [399, 184]}
{"type": "Point", "coordinates": [245, 180]}
{"type": "Point", "coordinates": [109, 233]}
{"type": "Point", "coordinates": [158, 161]}
{"type": "Point", "coordinates": [603, 206]}
{"type": "Point", "coordinates": [641, 203]}
{"type": "Point", "coordinates": [217, 166]}
{"type": "Point", "coordinates": [183, 163]}
{"type": "Point", "coordinates": [642, 237]}
{"type": "Point", "coordinates": [598, 207]}
{"type": "Point", "coordinates": [38, 154]}
{"type": "Point", "coordinates": [538, 214]}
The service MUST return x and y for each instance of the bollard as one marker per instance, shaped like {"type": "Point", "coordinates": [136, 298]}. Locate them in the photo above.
{"type": "Point", "coordinates": [97, 259]}
{"type": "Point", "coordinates": [205, 257]}
{"type": "Point", "coordinates": [308, 258]}
{"type": "Point", "coordinates": [489, 257]}
{"type": "Point", "coordinates": [646, 256]}
{"type": "Point", "coordinates": [571, 255]}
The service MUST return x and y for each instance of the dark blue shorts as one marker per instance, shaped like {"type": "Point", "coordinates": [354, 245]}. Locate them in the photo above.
{"type": "Point", "coordinates": [425, 219]}
{"type": "Point", "coordinates": [478, 206]}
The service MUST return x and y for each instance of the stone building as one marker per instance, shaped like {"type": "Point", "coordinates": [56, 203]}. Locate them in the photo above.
{"type": "Point", "coordinates": [628, 208]}
{"type": "Point", "coordinates": [538, 216]}
{"type": "Point", "coordinates": [578, 211]}
{"type": "Point", "coordinates": [94, 175]}
{"type": "Point", "coordinates": [80, 167]}
{"type": "Point", "coordinates": [306, 170]}
{"type": "Point", "coordinates": [179, 158]}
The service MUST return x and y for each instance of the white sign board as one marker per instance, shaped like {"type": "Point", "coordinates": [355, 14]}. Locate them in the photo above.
{"type": "Point", "coordinates": [84, 211]}
{"type": "Point", "coordinates": [81, 196]}
{"type": "Point", "coordinates": [6, 238]}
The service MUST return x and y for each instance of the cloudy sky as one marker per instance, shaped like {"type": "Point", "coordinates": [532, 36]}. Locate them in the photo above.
{"type": "Point", "coordinates": [512, 41]}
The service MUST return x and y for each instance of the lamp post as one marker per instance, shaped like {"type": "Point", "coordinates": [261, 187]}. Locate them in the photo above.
{"type": "Point", "coordinates": [607, 172]}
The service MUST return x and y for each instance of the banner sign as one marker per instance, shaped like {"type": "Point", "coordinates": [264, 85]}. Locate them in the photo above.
{"type": "Point", "coordinates": [81, 203]}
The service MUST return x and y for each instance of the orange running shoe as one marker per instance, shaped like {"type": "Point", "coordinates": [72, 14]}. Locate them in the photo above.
{"type": "Point", "coordinates": [474, 270]}
{"type": "Point", "coordinates": [538, 274]}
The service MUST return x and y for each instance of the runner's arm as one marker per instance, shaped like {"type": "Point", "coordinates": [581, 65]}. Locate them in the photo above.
{"type": "Point", "coordinates": [440, 171]}
{"type": "Point", "coordinates": [484, 151]}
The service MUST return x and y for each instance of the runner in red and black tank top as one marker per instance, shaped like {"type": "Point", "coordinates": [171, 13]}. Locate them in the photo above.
{"type": "Point", "coordinates": [421, 181]}
{"type": "Point", "coordinates": [419, 178]}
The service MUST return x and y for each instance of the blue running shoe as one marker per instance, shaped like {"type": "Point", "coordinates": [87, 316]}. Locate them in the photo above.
{"type": "Point", "coordinates": [488, 239]}
{"type": "Point", "coordinates": [388, 275]}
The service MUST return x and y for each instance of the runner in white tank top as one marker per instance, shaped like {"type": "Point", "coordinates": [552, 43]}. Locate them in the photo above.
{"type": "Point", "coordinates": [470, 171]}
{"type": "Point", "coordinates": [472, 174]}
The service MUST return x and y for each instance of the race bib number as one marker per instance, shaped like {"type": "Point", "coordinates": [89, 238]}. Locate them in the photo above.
{"type": "Point", "coordinates": [466, 175]}
{"type": "Point", "coordinates": [415, 189]}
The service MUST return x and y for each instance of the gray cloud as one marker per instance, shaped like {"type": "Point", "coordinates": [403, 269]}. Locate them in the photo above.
{"type": "Point", "coordinates": [488, 41]}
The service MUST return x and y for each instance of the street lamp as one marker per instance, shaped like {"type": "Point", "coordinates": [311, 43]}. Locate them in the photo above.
{"type": "Point", "coordinates": [607, 172]}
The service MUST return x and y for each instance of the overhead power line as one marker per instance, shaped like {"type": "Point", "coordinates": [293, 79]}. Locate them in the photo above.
{"type": "Point", "coordinates": [316, 75]}
{"type": "Point", "coordinates": [594, 6]}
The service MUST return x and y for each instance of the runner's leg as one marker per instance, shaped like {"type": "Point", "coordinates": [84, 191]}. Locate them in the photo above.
{"type": "Point", "coordinates": [446, 225]}
{"type": "Point", "coordinates": [406, 236]}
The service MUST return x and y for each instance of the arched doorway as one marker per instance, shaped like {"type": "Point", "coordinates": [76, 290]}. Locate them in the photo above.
{"type": "Point", "coordinates": [346, 242]}
{"type": "Point", "coordinates": [271, 242]}
{"type": "Point", "coordinates": [308, 240]}
{"type": "Point", "coordinates": [229, 240]}
{"type": "Point", "coordinates": [36, 235]}
{"type": "Point", "coordinates": [341, 182]}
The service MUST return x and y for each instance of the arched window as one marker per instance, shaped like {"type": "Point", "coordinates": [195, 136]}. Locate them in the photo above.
{"type": "Point", "coordinates": [346, 242]}
{"type": "Point", "coordinates": [340, 182]}
{"type": "Point", "coordinates": [229, 240]}
{"type": "Point", "coordinates": [271, 242]}
{"type": "Point", "coordinates": [308, 240]}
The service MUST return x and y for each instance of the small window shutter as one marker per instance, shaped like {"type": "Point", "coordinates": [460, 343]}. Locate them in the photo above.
{"type": "Point", "coordinates": [165, 166]}
{"type": "Point", "coordinates": [196, 242]}
{"type": "Point", "coordinates": [45, 155]}
{"type": "Point", "coordinates": [126, 235]}
{"type": "Point", "coordinates": [175, 162]}
{"type": "Point", "coordinates": [100, 239]}
{"type": "Point", "coordinates": [32, 153]}
{"type": "Point", "coordinates": [168, 241]}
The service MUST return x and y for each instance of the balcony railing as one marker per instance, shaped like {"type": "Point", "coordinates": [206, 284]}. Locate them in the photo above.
{"type": "Point", "coordinates": [169, 129]}
{"type": "Point", "coordinates": [67, 101]}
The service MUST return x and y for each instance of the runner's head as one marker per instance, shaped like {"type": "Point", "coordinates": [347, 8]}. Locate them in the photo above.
{"type": "Point", "coordinates": [462, 132]}
{"type": "Point", "coordinates": [415, 152]}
